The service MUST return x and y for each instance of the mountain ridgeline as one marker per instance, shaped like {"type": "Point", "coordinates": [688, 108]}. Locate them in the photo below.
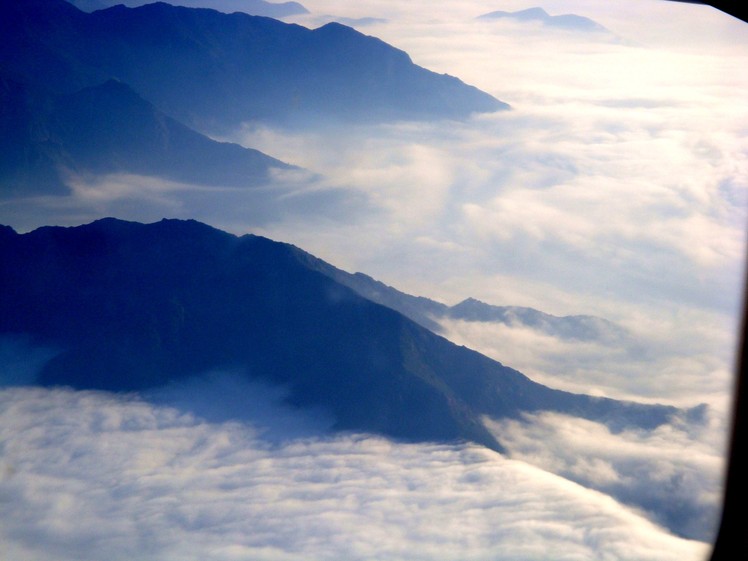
{"type": "Point", "coordinates": [133, 306]}
{"type": "Point", "coordinates": [213, 71]}
{"type": "Point", "coordinates": [430, 313]}
{"type": "Point", "coordinates": [107, 129]}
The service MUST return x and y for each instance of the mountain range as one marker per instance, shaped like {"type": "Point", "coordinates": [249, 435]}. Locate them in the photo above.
{"type": "Point", "coordinates": [135, 90]}
{"type": "Point", "coordinates": [213, 71]}
{"type": "Point", "coordinates": [429, 313]}
{"type": "Point", "coordinates": [134, 306]}
{"type": "Point", "coordinates": [107, 129]}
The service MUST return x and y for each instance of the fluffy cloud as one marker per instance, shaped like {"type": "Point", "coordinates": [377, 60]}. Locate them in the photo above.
{"type": "Point", "coordinates": [86, 475]}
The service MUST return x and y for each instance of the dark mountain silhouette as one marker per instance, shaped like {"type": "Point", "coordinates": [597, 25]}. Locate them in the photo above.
{"type": "Point", "coordinates": [211, 70]}
{"type": "Point", "coordinates": [253, 7]}
{"type": "Point", "coordinates": [107, 129]}
{"type": "Point", "coordinates": [135, 306]}
{"type": "Point", "coordinates": [571, 22]}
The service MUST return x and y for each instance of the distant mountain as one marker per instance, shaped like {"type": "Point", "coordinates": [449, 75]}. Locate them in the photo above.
{"type": "Point", "coordinates": [429, 313]}
{"type": "Point", "coordinates": [580, 327]}
{"type": "Point", "coordinates": [253, 7]}
{"type": "Point", "coordinates": [571, 22]}
{"type": "Point", "coordinates": [108, 128]}
{"type": "Point", "coordinates": [212, 70]}
{"type": "Point", "coordinates": [133, 306]}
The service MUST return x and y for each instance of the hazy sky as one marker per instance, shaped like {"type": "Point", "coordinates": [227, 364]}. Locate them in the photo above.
{"type": "Point", "coordinates": [616, 186]}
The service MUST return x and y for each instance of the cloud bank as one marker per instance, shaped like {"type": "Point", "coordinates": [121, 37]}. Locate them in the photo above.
{"type": "Point", "coordinates": [674, 473]}
{"type": "Point", "coordinates": [87, 474]}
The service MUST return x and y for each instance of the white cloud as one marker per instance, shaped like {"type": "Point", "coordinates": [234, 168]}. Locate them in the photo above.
{"type": "Point", "coordinates": [88, 474]}
{"type": "Point", "coordinates": [673, 472]}
{"type": "Point", "coordinates": [661, 362]}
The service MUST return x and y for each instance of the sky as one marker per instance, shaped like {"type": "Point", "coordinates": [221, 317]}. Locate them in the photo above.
{"type": "Point", "coordinates": [617, 186]}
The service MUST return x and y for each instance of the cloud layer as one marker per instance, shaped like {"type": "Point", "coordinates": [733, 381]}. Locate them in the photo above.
{"type": "Point", "coordinates": [674, 472]}
{"type": "Point", "coordinates": [86, 475]}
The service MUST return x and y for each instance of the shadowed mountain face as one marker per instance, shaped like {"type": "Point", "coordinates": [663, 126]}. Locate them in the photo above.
{"type": "Point", "coordinates": [109, 129]}
{"type": "Point", "coordinates": [212, 70]}
{"type": "Point", "coordinates": [135, 306]}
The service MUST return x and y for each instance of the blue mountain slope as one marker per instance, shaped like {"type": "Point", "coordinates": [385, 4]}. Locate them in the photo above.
{"type": "Point", "coordinates": [105, 129]}
{"type": "Point", "coordinates": [134, 306]}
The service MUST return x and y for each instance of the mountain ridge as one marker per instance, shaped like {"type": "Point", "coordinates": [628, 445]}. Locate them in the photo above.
{"type": "Point", "coordinates": [137, 306]}
{"type": "Point", "coordinates": [236, 67]}
{"type": "Point", "coordinates": [430, 313]}
{"type": "Point", "coordinates": [108, 128]}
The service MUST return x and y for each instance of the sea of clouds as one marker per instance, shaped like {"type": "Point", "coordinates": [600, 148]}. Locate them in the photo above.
{"type": "Point", "coordinates": [616, 186]}
{"type": "Point", "coordinates": [87, 475]}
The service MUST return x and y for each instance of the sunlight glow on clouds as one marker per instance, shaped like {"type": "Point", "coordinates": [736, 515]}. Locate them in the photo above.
{"type": "Point", "coordinates": [87, 474]}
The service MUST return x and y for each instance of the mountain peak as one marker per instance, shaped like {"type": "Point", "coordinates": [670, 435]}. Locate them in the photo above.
{"type": "Point", "coordinates": [114, 87]}
{"type": "Point", "coordinates": [469, 302]}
